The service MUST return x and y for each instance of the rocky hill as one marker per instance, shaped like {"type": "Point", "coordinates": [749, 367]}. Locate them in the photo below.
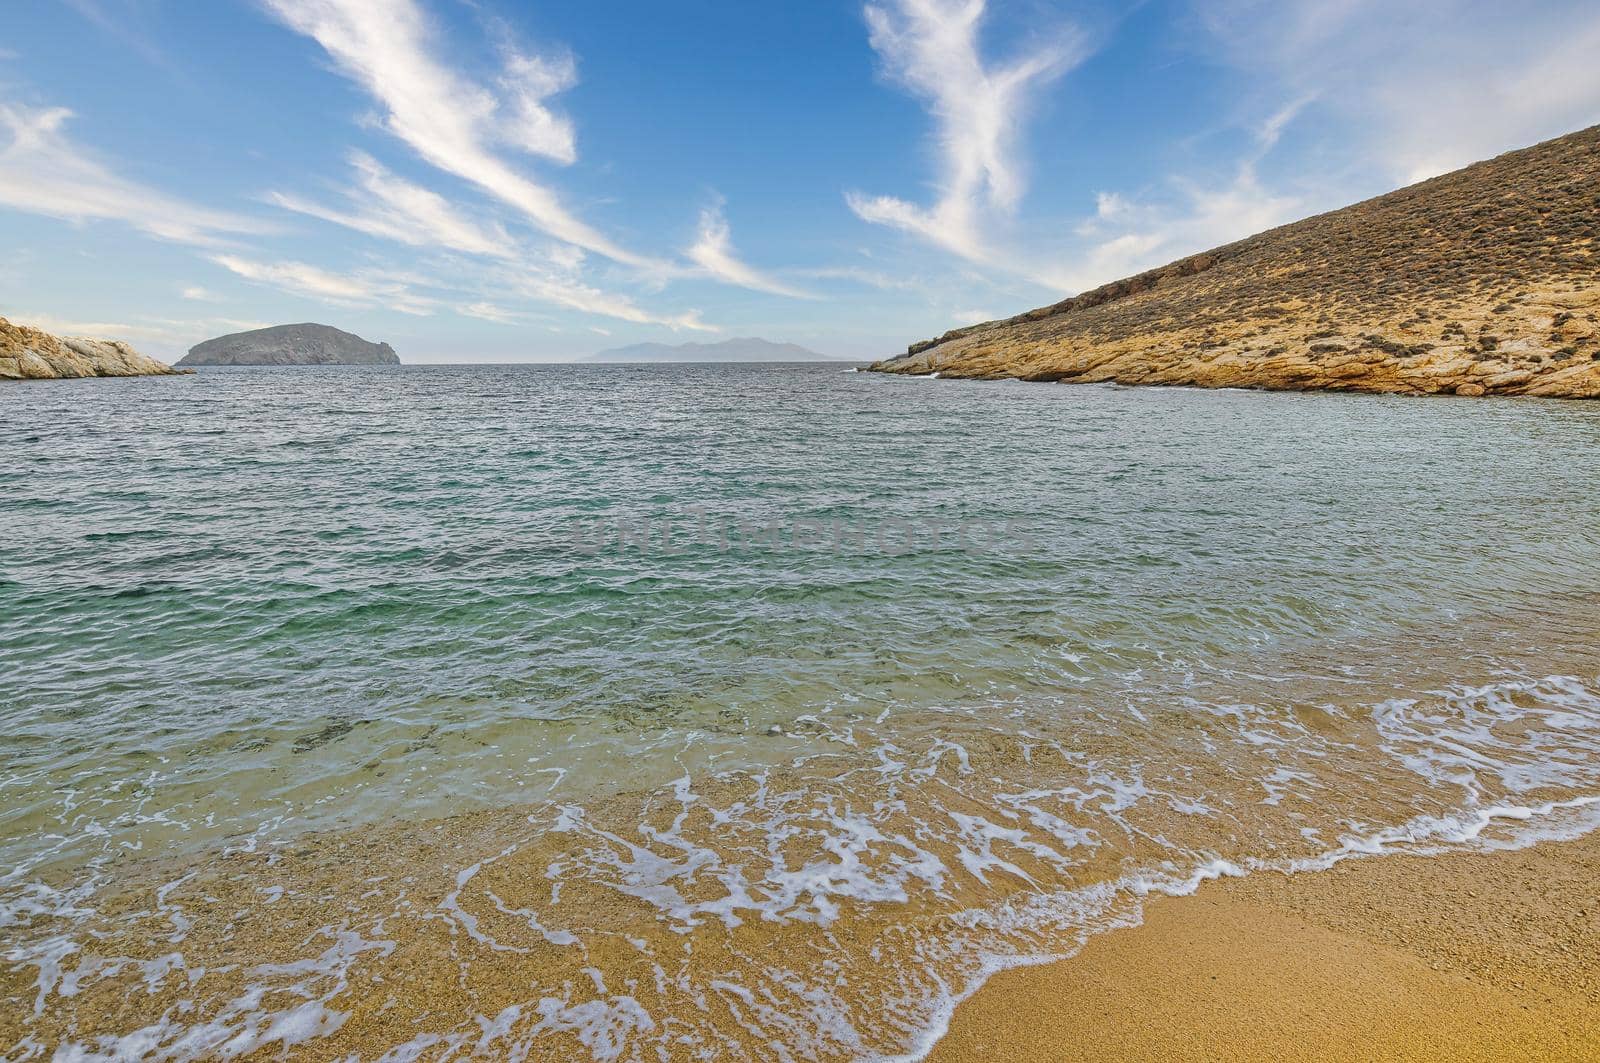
{"type": "Point", "coordinates": [1485, 281]}
{"type": "Point", "coordinates": [306, 344]}
{"type": "Point", "coordinates": [29, 354]}
{"type": "Point", "coordinates": [743, 349]}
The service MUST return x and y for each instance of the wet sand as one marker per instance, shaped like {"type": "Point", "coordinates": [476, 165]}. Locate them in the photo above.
{"type": "Point", "coordinates": [1469, 956]}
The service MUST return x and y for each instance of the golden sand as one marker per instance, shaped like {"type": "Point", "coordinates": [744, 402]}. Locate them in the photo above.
{"type": "Point", "coordinates": [1460, 957]}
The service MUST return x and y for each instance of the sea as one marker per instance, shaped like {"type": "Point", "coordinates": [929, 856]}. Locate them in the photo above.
{"type": "Point", "coordinates": [734, 712]}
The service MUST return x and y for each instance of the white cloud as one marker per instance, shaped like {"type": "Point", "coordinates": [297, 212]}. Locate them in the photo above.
{"type": "Point", "coordinates": [931, 48]}
{"type": "Point", "coordinates": [528, 81]}
{"type": "Point", "coordinates": [365, 288]}
{"type": "Point", "coordinates": [487, 294]}
{"type": "Point", "coordinates": [392, 208]}
{"type": "Point", "coordinates": [195, 293]}
{"type": "Point", "coordinates": [43, 172]}
{"type": "Point", "coordinates": [575, 295]}
{"type": "Point", "coordinates": [1109, 206]}
{"type": "Point", "coordinates": [1397, 92]}
{"type": "Point", "coordinates": [485, 311]}
{"type": "Point", "coordinates": [1127, 236]}
{"type": "Point", "coordinates": [99, 330]}
{"type": "Point", "coordinates": [387, 206]}
{"type": "Point", "coordinates": [165, 331]}
{"type": "Point", "coordinates": [713, 252]}
{"type": "Point", "coordinates": [467, 126]}
{"type": "Point", "coordinates": [1424, 87]}
{"type": "Point", "coordinates": [450, 120]}
{"type": "Point", "coordinates": [870, 277]}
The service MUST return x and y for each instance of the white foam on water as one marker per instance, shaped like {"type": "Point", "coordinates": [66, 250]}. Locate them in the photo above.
{"type": "Point", "coordinates": [603, 1026]}
{"type": "Point", "coordinates": [1480, 756]}
{"type": "Point", "coordinates": [244, 1024]}
{"type": "Point", "coordinates": [1094, 910]}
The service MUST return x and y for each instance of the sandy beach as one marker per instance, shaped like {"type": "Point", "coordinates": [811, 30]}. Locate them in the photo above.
{"type": "Point", "coordinates": [1466, 956]}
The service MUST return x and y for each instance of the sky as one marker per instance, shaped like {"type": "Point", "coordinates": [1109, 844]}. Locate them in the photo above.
{"type": "Point", "coordinates": [531, 180]}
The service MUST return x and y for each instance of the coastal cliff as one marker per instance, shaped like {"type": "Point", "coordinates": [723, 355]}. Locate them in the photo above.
{"type": "Point", "coordinates": [29, 354]}
{"type": "Point", "coordinates": [304, 344]}
{"type": "Point", "coordinates": [1485, 281]}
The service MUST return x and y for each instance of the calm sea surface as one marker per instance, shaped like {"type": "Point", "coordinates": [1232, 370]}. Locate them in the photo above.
{"type": "Point", "coordinates": [733, 712]}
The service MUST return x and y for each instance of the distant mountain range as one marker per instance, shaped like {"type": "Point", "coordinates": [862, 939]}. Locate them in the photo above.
{"type": "Point", "coordinates": [745, 349]}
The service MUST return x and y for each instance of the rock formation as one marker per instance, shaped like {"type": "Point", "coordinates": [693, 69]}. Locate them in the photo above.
{"type": "Point", "coordinates": [1485, 281]}
{"type": "Point", "coordinates": [306, 344]}
{"type": "Point", "coordinates": [29, 354]}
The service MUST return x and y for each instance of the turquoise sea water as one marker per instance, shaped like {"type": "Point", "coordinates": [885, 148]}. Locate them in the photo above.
{"type": "Point", "coordinates": [250, 607]}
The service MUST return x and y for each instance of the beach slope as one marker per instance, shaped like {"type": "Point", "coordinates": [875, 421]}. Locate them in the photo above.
{"type": "Point", "coordinates": [1466, 956]}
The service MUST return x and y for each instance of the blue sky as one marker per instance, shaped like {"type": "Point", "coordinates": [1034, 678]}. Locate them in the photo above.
{"type": "Point", "coordinates": [502, 180]}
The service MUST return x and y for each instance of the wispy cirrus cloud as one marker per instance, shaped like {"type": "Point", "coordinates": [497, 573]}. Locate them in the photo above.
{"type": "Point", "coordinates": [124, 29]}
{"type": "Point", "coordinates": [455, 123]}
{"type": "Point", "coordinates": [528, 123]}
{"type": "Point", "coordinates": [713, 252]}
{"type": "Point", "coordinates": [487, 311]}
{"type": "Point", "coordinates": [361, 288]}
{"type": "Point", "coordinates": [932, 48]}
{"type": "Point", "coordinates": [392, 208]}
{"type": "Point", "coordinates": [1425, 87]}
{"type": "Point", "coordinates": [166, 331]}
{"type": "Point", "coordinates": [871, 278]}
{"type": "Point", "coordinates": [1196, 217]}
{"type": "Point", "coordinates": [492, 293]}
{"type": "Point", "coordinates": [575, 295]}
{"type": "Point", "coordinates": [468, 127]}
{"type": "Point", "coordinates": [42, 171]}
{"type": "Point", "coordinates": [1128, 234]}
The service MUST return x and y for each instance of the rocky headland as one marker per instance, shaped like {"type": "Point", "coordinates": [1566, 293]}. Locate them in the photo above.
{"type": "Point", "coordinates": [1485, 281]}
{"type": "Point", "coordinates": [304, 344]}
{"type": "Point", "coordinates": [29, 354]}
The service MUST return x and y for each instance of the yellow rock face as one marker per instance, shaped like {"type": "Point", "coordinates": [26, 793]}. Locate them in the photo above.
{"type": "Point", "coordinates": [1481, 282]}
{"type": "Point", "coordinates": [29, 354]}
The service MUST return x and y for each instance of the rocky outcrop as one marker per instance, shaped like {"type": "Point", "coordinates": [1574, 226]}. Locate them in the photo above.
{"type": "Point", "coordinates": [305, 344]}
{"type": "Point", "coordinates": [29, 354]}
{"type": "Point", "coordinates": [1485, 281]}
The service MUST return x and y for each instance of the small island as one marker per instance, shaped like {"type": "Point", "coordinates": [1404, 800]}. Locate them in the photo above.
{"type": "Point", "coordinates": [31, 354]}
{"type": "Point", "coordinates": [303, 344]}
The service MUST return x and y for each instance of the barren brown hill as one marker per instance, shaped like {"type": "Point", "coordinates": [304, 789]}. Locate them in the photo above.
{"type": "Point", "coordinates": [1483, 281]}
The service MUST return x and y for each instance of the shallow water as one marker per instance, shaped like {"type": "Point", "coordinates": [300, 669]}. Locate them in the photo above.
{"type": "Point", "coordinates": [317, 683]}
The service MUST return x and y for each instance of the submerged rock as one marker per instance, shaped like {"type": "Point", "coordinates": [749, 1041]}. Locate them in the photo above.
{"type": "Point", "coordinates": [30, 354]}
{"type": "Point", "coordinates": [304, 344]}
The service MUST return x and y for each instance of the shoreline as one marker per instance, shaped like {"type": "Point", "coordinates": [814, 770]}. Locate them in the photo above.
{"type": "Point", "coordinates": [481, 879]}
{"type": "Point", "coordinates": [1465, 955]}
